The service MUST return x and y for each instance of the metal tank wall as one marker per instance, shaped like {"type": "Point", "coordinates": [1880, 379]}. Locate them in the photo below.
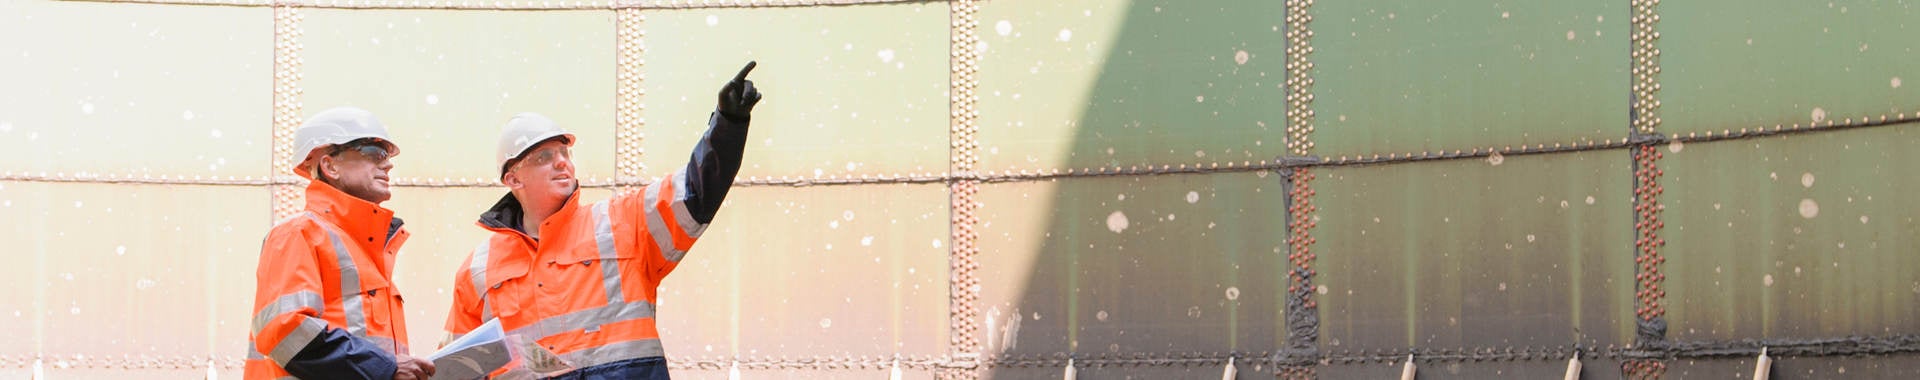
{"type": "Point", "coordinates": [996, 189]}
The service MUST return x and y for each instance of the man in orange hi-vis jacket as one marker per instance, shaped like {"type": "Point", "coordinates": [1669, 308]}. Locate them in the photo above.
{"type": "Point", "coordinates": [324, 306]}
{"type": "Point", "coordinates": [581, 281]}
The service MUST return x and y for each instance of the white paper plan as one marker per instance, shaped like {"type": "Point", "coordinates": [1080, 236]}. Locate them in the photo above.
{"type": "Point", "coordinates": [474, 355]}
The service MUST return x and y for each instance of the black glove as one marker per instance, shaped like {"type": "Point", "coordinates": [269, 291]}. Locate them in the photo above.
{"type": "Point", "coordinates": [738, 96]}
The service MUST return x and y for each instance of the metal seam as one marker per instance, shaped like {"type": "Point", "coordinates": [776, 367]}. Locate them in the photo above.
{"type": "Point", "coordinates": [520, 5]}
{"type": "Point", "coordinates": [287, 198]}
{"type": "Point", "coordinates": [629, 98]}
{"type": "Point", "coordinates": [964, 284]}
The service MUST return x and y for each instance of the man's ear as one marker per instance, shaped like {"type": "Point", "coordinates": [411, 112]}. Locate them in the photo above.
{"type": "Point", "coordinates": [327, 168]}
{"type": "Point", "coordinates": [512, 181]}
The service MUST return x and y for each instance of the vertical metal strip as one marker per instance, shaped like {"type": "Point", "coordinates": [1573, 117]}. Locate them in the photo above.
{"type": "Point", "coordinates": [964, 287]}
{"type": "Point", "coordinates": [1303, 327]}
{"type": "Point", "coordinates": [628, 97]}
{"type": "Point", "coordinates": [1645, 54]}
{"type": "Point", "coordinates": [287, 198]}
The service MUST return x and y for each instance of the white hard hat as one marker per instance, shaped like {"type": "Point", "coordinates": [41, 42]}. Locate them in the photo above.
{"type": "Point", "coordinates": [333, 127]}
{"type": "Point", "coordinates": [523, 132]}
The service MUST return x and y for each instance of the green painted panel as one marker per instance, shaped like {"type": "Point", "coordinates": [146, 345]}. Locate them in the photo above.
{"type": "Point", "coordinates": [1526, 251]}
{"type": "Point", "coordinates": [135, 89]}
{"type": "Point", "coordinates": [1416, 76]}
{"type": "Point", "coordinates": [181, 279]}
{"type": "Point", "coordinates": [803, 271]}
{"type": "Point", "coordinates": [445, 82]}
{"type": "Point", "coordinates": [848, 90]}
{"type": "Point", "coordinates": [1101, 83]}
{"type": "Point", "coordinates": [1188, 263]}
{"type": "Point", "coordinates": [1796, 237]}
{"type": "Point", "coordinates": [1744, 64]}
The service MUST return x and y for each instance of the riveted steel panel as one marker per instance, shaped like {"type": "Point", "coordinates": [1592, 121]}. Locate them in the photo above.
{"type": "Point", "coordinates": [1795, 237]}
{"type": "Point", "coordinates": [848, 90]}
{"type": "Point", "coordinates": [1098, 83]}
{"type": "Point", "coordinates": [138, 90]}
{"type": "Point", "coordinates": [1490, 369]}
{"type": "Point", "coordinates": [813, 271]}
{"type": "Point", "coordinates": [446, 82]}
{"type": "Point", "coordinates": [1404, 77]}
{"type": "Point", "coordinates": [1784, 368]}
{"type": "Point", "coordinates": [1520, 251]}
{"type": "Point", "coordinates": [1728, 65]}
{"type": "Point", "coordinates": [130, 269]}
{"type": "Point", "coordinates": [1164, 264]}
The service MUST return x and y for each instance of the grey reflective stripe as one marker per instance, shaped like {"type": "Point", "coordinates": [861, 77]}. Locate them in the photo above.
{"type": "Point", "coordinates": [680, 214]}
{"type": "Point", "coordinates": [585, 319]}
{"type": "Point", "coordinates": [386, 343]}
{"type": "Point", "coordinates": [349, 280]}
{"type": "Point", "coordinates": [478, 270]}
{"type": "Point", "coordinates": [296, 340]}
{"type": "Point", "coordinates": [657, 227]}
{"type": "Point", "coordinates": [613, 352]}
{"type": "Point", "coordinates": [609, 267]}
{"type": "Point", "coordinates": [286, 304]}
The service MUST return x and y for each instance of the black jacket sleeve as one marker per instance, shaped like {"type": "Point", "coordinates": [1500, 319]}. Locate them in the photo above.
{"type": "Point", "coordinates": [337, 355]}
{"type": "Point", "coordinates": [714, 163]}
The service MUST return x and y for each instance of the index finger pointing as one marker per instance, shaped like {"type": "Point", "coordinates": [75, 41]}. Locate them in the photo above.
{"type": "Point", "coordinates": [744, 70]}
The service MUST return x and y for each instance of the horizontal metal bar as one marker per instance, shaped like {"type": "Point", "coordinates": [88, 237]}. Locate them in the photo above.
{"type": "Point", "coordinates": [1852, 346]}
{"type": "Point", "coordinates": [520, 5]}
{"type": "Point", "coordinates": [1027, 175]}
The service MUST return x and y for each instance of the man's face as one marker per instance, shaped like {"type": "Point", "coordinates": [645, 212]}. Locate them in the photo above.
{"type": "Point", "coordinates": [360, 169]}
{"type": "Point", "coordinates": [545, 172]}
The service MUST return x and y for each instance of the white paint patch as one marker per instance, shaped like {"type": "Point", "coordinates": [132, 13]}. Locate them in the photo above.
{"type": "Point", "coordinates": [1496, 159]}
{"type": "Point", "coordinates": [1193, 197]}
{"type": "Point", "coordinates": [1240, 57]}
{"type": "Point", "coordinates": [1863, 219]}
{"type": "Point", "coordinates": [1322, 289]}
{"type": "Point", "coordinates": [1895, 82]}
{"type": "Point", "coordinates": [215, 133]}
{"type": "Point", "coordinates": [848, 215]}
{"type": "Point", "coordinates": [6, 126]}
{"type": "Point", "coordinates": [1571, 35]}
{"type": "Point", "coordinates": [1675, 146]}
{"type": "Point", "coordinates": [1233, 293]}
{"type": "Point", "coordinates": [1505, 15]}
{"type": "Point", "coordinates": [1819, 114]}
{"type": "Point", "coordinates": [1531, 238]}
{"type": "Point", "coordinates": [120, 250]}
{"type": "Point", "coordinates": [886, 55]}
{"type": "Point", "coordinates": [866, 241]}
{"type": "Point", "coordinates": [1590, 200]}
{"type": "Point", "coordinates": [433, 99]}
{"type": "Point", "coordinates": [1806, 180]}
{"type": "Point", "coordinates": [86, 108]}
{"type": "Point", "coordinates": [186, 115]}
{"type": "Point", "coordinates": [936, 243]}
{"type": "Point", "coordinates": [1809, 208]}
{"type": "Point", "coordinates": [1767, 280]}
{"type": "Point", "coordinates": [1003, 27]}
{"type": "Point", "coordinates": [1066, 35]}
{"type": "Point", "coordinates": [1200, 99]}
{"type": "Point", "coordinates": [1117, 222]}
{"type": "Point", "coordinates": [713, 20]}
{"type": "Point", "coordinates": [1102, 315]}
{"type": "Point", "coordinates": [826, 322]}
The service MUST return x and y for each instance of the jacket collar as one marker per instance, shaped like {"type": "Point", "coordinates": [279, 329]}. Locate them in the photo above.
{"type": "Point", "coordinates": [507, 215]}
{"type": "Point", "coordinates": [368, 224]}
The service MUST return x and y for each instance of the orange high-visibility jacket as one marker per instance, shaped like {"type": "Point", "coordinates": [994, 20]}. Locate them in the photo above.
{"type": "Point", "coordinates": [586, 289]}
{"type": "Point", "coordinates": [324, 304]}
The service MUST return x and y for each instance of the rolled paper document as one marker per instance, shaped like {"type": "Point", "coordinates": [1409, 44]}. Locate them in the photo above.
{"type": "Point", "coordinates": [1230, 372]}
{"type": "Point", "coordinates": [1573, 367]}
{"type": "Point", "coordinates": [1760, 367]}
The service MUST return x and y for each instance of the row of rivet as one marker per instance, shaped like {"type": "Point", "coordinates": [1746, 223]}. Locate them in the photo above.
{"type": "Point", "coordinates": [287, 198]}
{"type": "Point", "coordinates": [964, 283]}
{"type": "Point", "coordinates": [629, 96]}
